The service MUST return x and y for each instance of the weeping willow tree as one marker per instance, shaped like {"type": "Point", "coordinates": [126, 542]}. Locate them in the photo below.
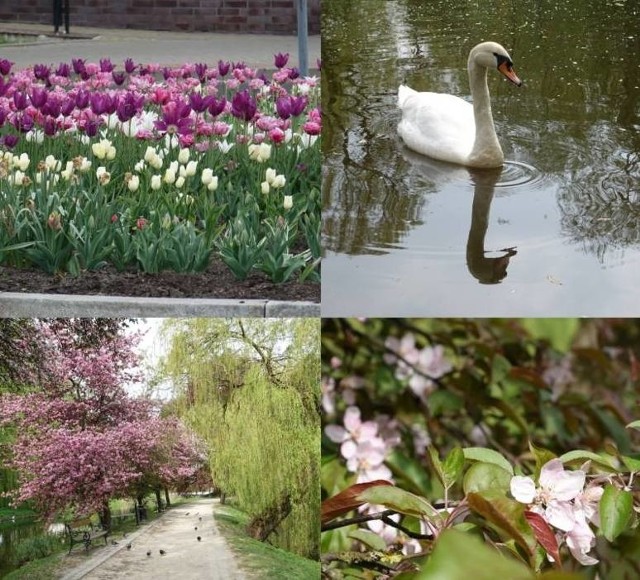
{"type": "Point", "coordinates": [250, 388]}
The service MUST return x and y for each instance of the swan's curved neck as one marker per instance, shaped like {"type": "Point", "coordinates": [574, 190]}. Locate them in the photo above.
{"type": "Point", "coordinates": [486, 144]}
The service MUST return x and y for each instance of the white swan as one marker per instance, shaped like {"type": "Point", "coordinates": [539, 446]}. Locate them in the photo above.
{"type": "Point", "coordinates": [448, 128]}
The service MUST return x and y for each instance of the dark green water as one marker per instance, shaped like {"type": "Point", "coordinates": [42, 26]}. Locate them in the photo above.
{"type": "Point", "coordinates": [556, 232]}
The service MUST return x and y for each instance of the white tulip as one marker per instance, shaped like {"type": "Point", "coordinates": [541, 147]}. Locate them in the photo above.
{"type": "Point", "coordinates": [183, 156]}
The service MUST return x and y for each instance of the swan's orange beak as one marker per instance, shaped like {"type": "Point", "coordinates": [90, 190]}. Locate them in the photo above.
{"type": "Point", "coordinates": [507, 70]}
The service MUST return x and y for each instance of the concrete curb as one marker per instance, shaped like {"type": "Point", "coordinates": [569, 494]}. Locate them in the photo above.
{"type": "Point", "coordinates": [17, 305]}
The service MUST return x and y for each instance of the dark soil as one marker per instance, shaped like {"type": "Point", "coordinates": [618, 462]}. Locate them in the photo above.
{"type": "Point", "coordinates": [216, 282]}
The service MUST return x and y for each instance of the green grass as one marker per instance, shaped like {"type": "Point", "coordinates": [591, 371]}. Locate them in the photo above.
{"type": "Point", "coordinates": [43, 569]}
{"type": "Point", "coordinates": [259, 559]}
{"type": "Point", "coordinates": [19, 513]}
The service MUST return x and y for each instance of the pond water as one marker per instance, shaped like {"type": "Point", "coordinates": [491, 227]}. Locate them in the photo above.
{"type": "Point", "coordinates": [556, 231]}
{"type": "Point", "coordinates": [12, 533]}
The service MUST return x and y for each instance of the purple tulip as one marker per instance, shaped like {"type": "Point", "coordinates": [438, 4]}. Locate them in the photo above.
{"type": "Point", "coordinates": [118, 77]}
{"type": "Point", "coordinates": [106, 65]}
{"type": "Point", "coordinates": [52, 106]}
{"type": "Point", "coordinates": [283, 107]}
{"type": "Point", "coordinates": [101, 103]}
{"type": "Point", "coordinates": [38, 97]}
{"type": "Point", "coordinates": [41, 72]}
{"type": "Point", "coordinates": [166, 73]}
{"type": "Point", "coordinates": [129, 65]}
{"type": "Point", "coordinates": [243, 106]}
{"type": "Point", "coordinates": [49, 126]}
{"type": "Point", "coordinates": [223, 68]}
{"type": "Point", "coordinates": [91, 127]}
{"type": "Point", "coordinates": [5, 66]}
{"type": "Point", "coordinates": [294, 73]}
{"type": "Point", "coordinates": [128, 106]}
{"type": "Point", "coordinates": [298, 105]}
{"type": "Point", "coordinates": [217, 106]}
{"type": "Point", "coordinates": [199, 103]}
{"type": "Point", "coordinates": [201, 70]}
{"type": "Point", "coordinates": [9, 141]}
{"type": "Point", "coordinates": [67, 106]}
{"type": "Point", "coordinates": [82, 99]}
{"type": "Point", "coordinates": [3, 86]}
{"type": "Point", "coordinates": [78, 65]}
{"type": "Point", "coordinates": [175, 118]}
{"type": "Point", "coordinates": [3, 117]}
{"type": "Point", "coordinates": [20, 100]}
{"type": "Point", "coordinates": [63, 70]}
{"type": "Point", "coordinates": [23, 122]}
{"type": "Point", "coordinates": [319, 63]}
{"type": "Point", "coordinates": [280, 59]}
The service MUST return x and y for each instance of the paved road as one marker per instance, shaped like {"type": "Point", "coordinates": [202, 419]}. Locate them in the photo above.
{"type": "Point", "coordinates": [185, 558]}
{"type": "Point", "coordinates": [150, 46]}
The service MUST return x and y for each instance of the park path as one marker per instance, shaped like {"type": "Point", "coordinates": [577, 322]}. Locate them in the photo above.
{"type": "Point", "coordinates": [186, 558]}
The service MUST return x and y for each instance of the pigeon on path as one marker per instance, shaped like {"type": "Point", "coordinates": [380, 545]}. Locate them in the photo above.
{"type": "Point", "coordinates": [162, 552]}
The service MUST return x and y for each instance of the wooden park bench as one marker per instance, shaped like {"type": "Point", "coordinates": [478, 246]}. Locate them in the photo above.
{"type": "Point", "coordinates": [82, 531]}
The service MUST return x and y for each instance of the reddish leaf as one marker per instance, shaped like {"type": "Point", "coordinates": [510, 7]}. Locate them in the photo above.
{"type": "Point", "coordinates": [528, 376]}
{"type": "Point", "coordinates": [346, 500]}
{"type": "Point", "coordinates": [544, 535]}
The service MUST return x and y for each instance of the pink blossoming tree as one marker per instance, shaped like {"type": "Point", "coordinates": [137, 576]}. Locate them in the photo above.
{"type": "Point", "coordinates": [81, 440]}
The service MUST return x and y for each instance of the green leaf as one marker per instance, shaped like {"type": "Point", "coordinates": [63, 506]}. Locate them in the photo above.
{"type": "Point", "coordinates": [458, 555]}
{"type": "Point", "coordinates": [506, 514]}
{"type": "Point", "coordinates": [616, 509]}
{"type": "Point", "coordinates": [437, 465]}
{"type": "Point", "coordinates": [542, 456]}
{"type": "Point", "coordinates": [452, 466]}
{"type": "Point", "coordinates": [486, 455]}
{"type": "Point", "coordinates": [500, 368]}
{"type": "Point", "coordinates": [631, 463]}
{"type": "Point", "coordinates": [581, 455]}
{"type": "Point", "coordinates": [400, 501]}
{"type": "Point", "coordinates": [369, 539]}
{"type": "Point", "coordinates": [481, 476]}
{"type": "Point", "coordinates": [560, 332]}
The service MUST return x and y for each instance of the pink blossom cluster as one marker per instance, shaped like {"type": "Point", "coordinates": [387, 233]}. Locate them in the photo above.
{"type": "Point", "coordinates": [567, 502]}
{"type": "Point", "coordinates": [365, 444]}
{"type": "Point", "coordinates": [418, 366]}
{"type": "Point", "coordinates": [81, 439]}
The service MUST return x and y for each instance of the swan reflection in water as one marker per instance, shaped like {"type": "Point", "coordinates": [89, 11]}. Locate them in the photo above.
{"type": "Point", "coordinates": [484, 268]}
{"type": "Point", "coordinates": [487, 270]}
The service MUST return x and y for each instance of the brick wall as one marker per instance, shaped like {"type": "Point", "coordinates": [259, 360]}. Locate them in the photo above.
{"type": "Point", "coordinates": [254, 16]}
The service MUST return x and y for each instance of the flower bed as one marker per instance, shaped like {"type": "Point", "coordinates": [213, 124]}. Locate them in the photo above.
{"type": "Point", "coordinates": [157, 168]}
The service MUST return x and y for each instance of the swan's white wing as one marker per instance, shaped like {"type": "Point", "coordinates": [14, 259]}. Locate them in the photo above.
{"type": "Point", "coordinates": [437, 125]}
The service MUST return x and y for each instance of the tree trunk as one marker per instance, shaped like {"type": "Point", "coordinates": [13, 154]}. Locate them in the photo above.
{"type": "Point", "coordinates": [105, 517]}
{"type": "Point", "coordinates": [166, 496]}
{"type": "Point", "coordinates": [158, 499]}
{"type": "Point", "coordinates": [223, 497]}
{"type": "Point", "coordinates": [263, 525]}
